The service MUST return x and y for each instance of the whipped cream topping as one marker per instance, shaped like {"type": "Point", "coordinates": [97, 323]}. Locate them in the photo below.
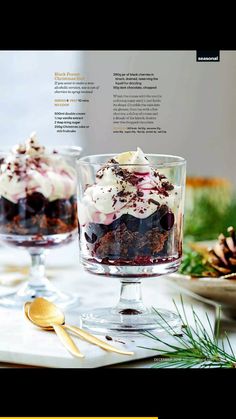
{"type": "Point", "coordinates": [124, 189]}
{"type": "Point", "coordinates": [30, 168]}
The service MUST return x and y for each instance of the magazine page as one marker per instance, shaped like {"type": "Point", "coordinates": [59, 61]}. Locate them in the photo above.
{"type": "Point", "coordinates": [117, 210]}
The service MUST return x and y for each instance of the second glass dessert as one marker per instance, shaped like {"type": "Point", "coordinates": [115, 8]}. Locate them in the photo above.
{"type": "Point", "coordinates": [131, 226]}
{"type": "Point", "coordinates": [38, 210]}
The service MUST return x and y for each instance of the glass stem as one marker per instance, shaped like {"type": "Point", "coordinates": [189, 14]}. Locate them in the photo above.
{"type": "Point", "coordinates": [130, 298]}
{"type": "Point", "coordinates": [37, 278]}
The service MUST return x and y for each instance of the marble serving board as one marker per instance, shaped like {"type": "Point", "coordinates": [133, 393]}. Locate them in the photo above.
{"type": "Point", "coordinates": [23, 343]}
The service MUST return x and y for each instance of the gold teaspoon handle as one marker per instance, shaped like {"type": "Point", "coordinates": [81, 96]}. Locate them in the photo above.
{"type": "Point", "coordinates": [92, 339]}
{"type": "Point", "coordinates": [67, 341]}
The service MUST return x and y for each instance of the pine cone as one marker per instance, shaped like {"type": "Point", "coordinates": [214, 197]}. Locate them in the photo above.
{"type": "Point", "coordinates": [222, 256]}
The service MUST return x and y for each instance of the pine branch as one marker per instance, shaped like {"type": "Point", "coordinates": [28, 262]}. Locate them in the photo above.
{"type": "Point", "coordinates": [194, 347]}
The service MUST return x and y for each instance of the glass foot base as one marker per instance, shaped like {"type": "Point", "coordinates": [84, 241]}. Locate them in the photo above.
{"type": "Point", "coordinates": [29, 293]}
{"type": "Point", "coordinates": [112, 321]}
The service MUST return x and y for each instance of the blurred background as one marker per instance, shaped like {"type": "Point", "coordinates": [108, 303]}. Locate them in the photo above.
{"type": "Point", "coordinates": [197, 112]}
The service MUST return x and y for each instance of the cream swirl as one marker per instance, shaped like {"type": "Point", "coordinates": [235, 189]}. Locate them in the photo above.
{"type": "Point", "coordinates": [30, 168]}
{"type": "Point", "coordinates": [127, 184]}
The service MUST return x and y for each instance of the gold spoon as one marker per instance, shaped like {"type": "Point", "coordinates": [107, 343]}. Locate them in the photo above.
{"type": "Point", "coordinates": [48, 322]}
{"type": "Point", "coordinates": [43, 313]}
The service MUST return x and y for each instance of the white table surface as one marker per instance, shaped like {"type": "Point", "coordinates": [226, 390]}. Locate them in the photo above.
{"type": "Point", "coordinates": [67, 274]}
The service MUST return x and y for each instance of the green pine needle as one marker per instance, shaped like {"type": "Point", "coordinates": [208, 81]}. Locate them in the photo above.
{"type": "Point", "coordinates": [193, 347]}
{"type": "Point", "coordinates": [194, 264]}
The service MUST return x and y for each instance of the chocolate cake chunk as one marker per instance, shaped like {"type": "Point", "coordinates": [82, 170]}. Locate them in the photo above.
{"type": "Point", "coordinates": [123, 243]}
{"type": "Point", "coordinates": [115, 243]}
{"type": "Point", "coordinates": [156, 240]}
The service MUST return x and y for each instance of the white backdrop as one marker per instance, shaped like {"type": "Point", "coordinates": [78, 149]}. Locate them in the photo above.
{"type": "Point", "coordinates": [197, 109]}
{"type": "Point", "coordinates": [26, 93]}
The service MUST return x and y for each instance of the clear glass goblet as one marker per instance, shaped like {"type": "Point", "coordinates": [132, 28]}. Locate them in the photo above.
{"type": "Point", "coordinates": [38, 211]}
{"type": "Point", "coordinates": [128, 243]}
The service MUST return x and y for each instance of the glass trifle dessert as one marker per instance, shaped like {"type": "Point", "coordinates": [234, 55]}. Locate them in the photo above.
{"type": "Point", "coordinates": [38, 209]}
{"type": "Point", "coordinates": [131, 226]}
